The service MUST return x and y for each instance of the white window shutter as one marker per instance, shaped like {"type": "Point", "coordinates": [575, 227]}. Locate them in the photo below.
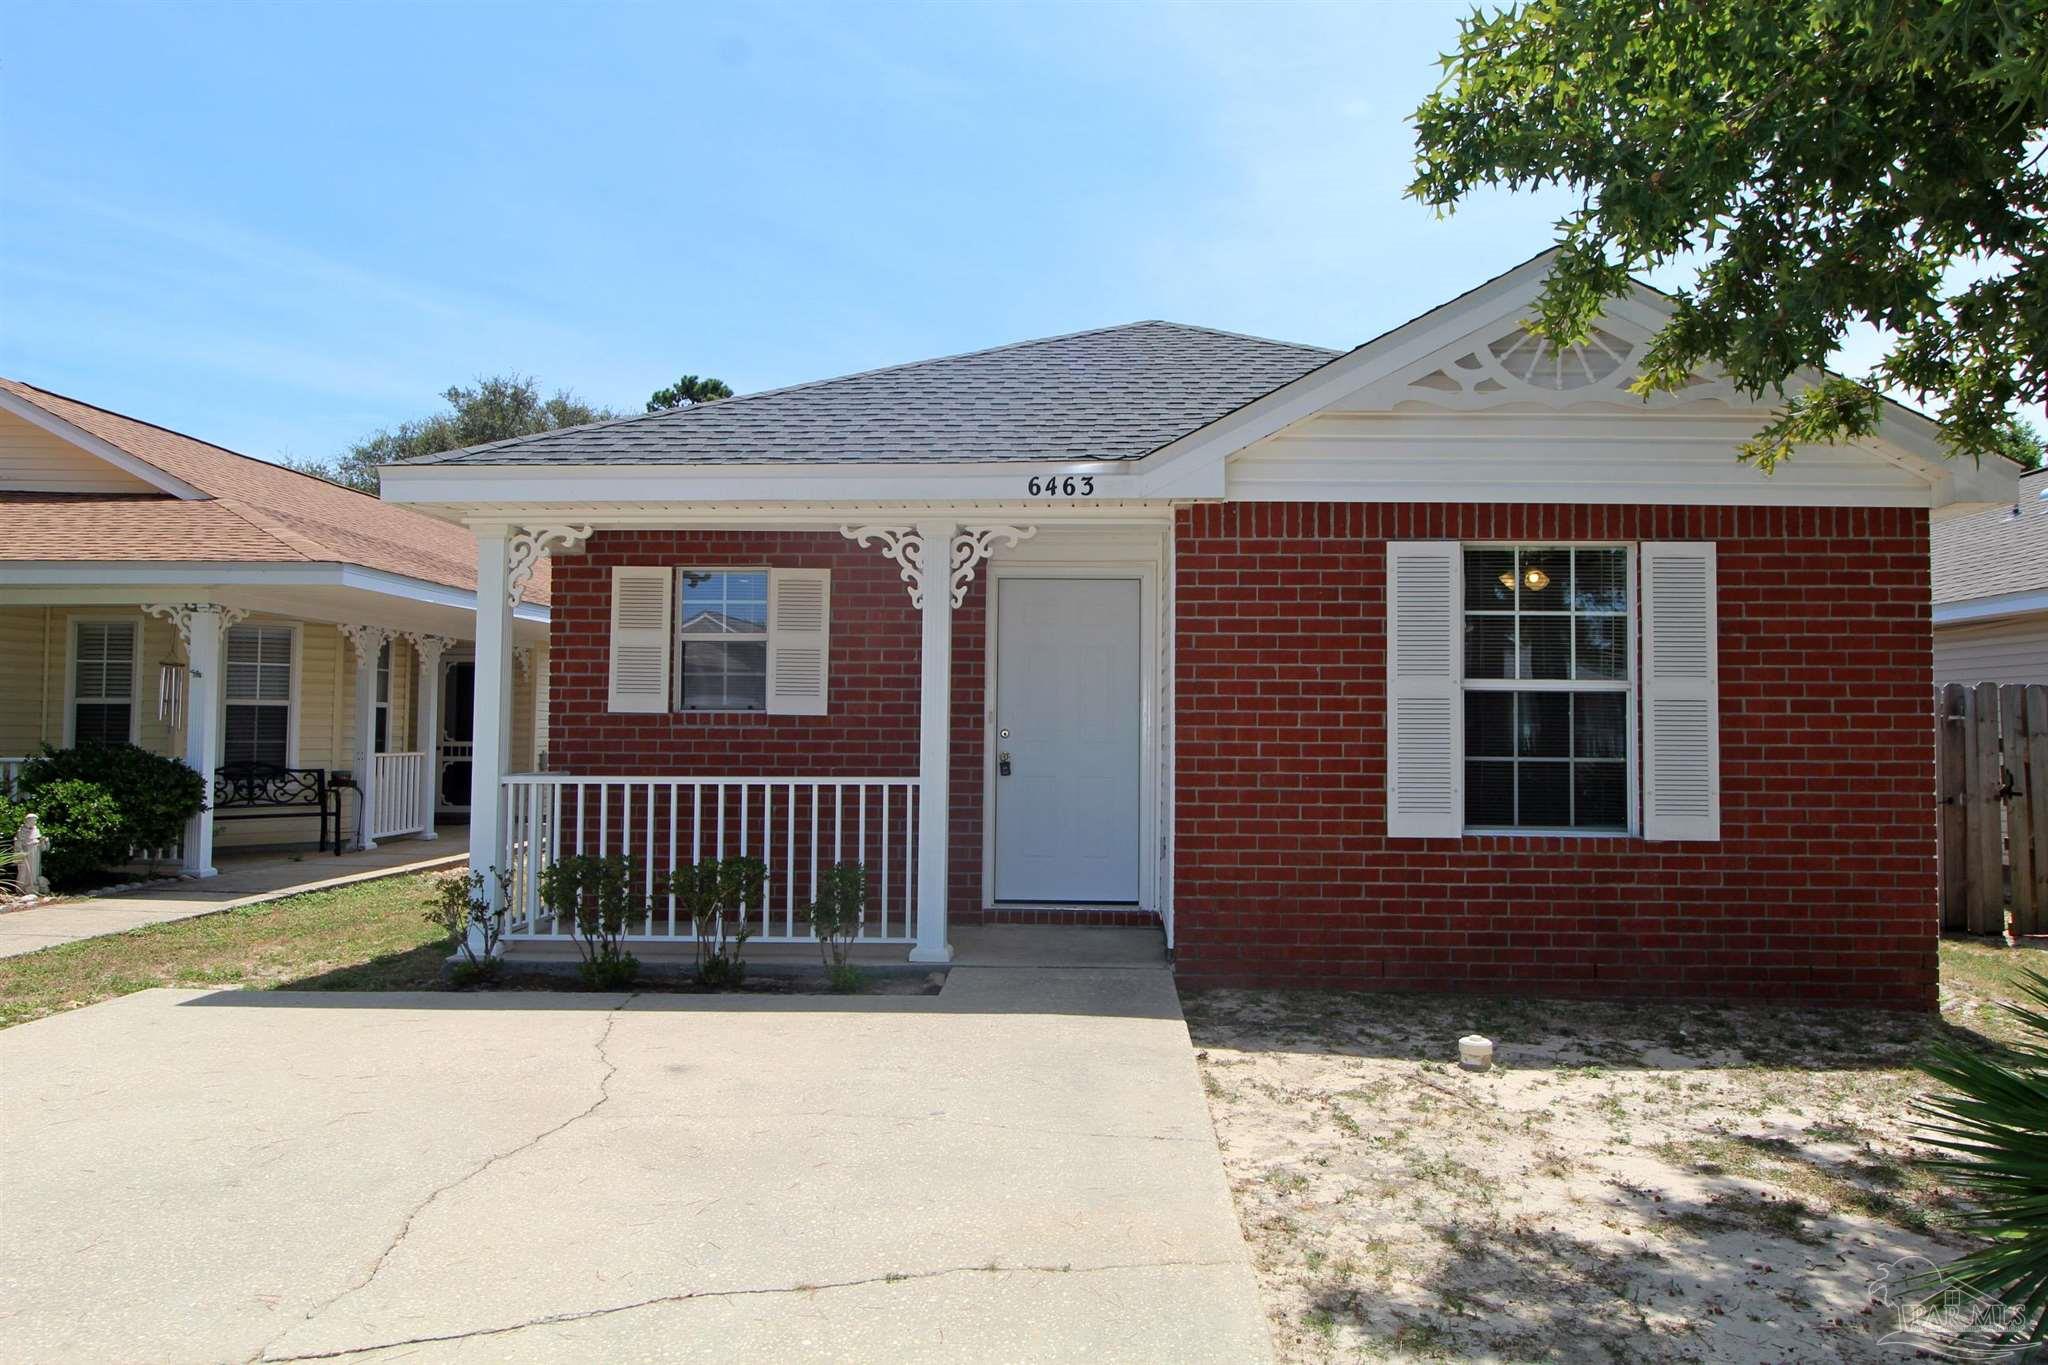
{"type": "Point", "coordinates": [1425, 702]}
{"type": "Point", "coordinates": [1681, 692]}
{"type": "Point", "coordinates": [642, 637]}
{"type": "Point", "coordinates": [799, 640]}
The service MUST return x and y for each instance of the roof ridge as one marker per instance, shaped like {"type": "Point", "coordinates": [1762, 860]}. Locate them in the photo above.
{"type": "Point", "coordinates": [680, 413]}
{"type": "Point", "coordinates": [181, 435]}
{"type": "Point", "coordinates": [238, 508]}
{"type": "Point", "coordinates": [1236, 336]}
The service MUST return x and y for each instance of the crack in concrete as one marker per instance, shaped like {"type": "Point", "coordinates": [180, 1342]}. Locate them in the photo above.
{"type": "Point", "coordinates": [604, 1095]}
{"type": "Point", "coordinates": [758, 1291]}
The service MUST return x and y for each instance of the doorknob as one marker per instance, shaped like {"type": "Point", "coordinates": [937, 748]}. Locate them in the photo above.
{"type": "Point", "coordinates": [1003, 764]}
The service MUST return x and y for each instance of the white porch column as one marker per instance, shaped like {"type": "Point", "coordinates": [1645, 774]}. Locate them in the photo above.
{"type": "Point", "coordinates": [934, 743]}
{"type": "Point", "coordinates": [369, 642]}
{"type": "Point", "coordinates": [493, 709]}
{"type": "Point", "coordinates": [427, 718]}
{"type": "Point", "coordinates": [204, 631]}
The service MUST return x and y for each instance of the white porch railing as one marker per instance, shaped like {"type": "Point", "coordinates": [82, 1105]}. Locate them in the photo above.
{"type": "Point", "coordinates": [10, 770]}
{"type": "Point", "coordinates": [396, 806]}
{"type": "Point", "coordinates": [798, 827]}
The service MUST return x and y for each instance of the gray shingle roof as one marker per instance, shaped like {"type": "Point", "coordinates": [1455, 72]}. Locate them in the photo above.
{"type": "Point", "coordinates": [1111, 394]}
{"type": "Point", "coordinates": [1998, 551]}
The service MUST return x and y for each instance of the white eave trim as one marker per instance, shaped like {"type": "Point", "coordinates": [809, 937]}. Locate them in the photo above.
{"type": "Point", "coordinates": [57, 573]}
{"type": "Point", "coordinates": [438, 488]}
{"type": "Point", "coordinates": [1993, 608]}
{"type": "Point", "coordinates": [100, 449]}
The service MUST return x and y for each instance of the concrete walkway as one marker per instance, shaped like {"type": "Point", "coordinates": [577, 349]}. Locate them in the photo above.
{"type": "Point", "coordinates": [242, 881]}
{"type": "Point", "coordinates": [1021, 1168]}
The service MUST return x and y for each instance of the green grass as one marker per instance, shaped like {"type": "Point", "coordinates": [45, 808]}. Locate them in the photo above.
{"type": "Point", "coordinates": [371, 936]}
{"type": "Point", "coordinates": [1977, 976]}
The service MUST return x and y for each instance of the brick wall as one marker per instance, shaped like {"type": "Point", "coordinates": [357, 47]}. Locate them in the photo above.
{"type": "Point", "coordinates": [1821, 889]}
{"type": "Point", "coordinates": [871, 725]}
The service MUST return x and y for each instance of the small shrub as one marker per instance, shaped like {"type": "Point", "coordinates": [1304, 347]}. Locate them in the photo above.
{"type": "Point", "coordinates": [716, 893]}
{"type": "Point", "coordinates": [86, 833]}
{"type": "Point", "coordinates": [460, 906]}
{"type": "Point", "coordinates": [595, 897]}
{"type": "Point", "coordinates": [154, 795]}
{"type": "Point", "coordinates": [10, 821]}
{"type": "Point", "coordinates": [837, 913]}
{"type": "Point", "coordinates": [845, 979]}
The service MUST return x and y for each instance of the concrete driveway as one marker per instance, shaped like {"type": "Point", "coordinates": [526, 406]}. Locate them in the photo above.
{"type": "Point", "coordinates": [1021, 1168]}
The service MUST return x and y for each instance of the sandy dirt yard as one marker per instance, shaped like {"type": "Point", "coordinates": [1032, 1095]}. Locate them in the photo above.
{"type": "Point", "coordinates": [1644, 1182]}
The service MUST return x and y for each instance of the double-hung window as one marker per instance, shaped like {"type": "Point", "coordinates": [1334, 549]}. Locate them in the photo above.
{"type": "Point", "coordinates": [259, 695]}
{"type": "Point", "coordinates": [1548, 687]}
{"type": "Point", "coordinates": [722, 640]}
{"type": "Point", "coordinates": [740, 640]}
{"type": "Point", "coordinates": [103, 682]}
{"type": "Point", "coordinates": [1537, 689]}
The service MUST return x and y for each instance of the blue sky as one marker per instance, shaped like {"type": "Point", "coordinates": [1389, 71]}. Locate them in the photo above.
{"type": "Point", "coordinates": [281, 227]}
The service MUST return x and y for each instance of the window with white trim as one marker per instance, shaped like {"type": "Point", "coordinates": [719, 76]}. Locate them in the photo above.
{"type": "Point", "coordinates": [103, 682]}
{"type": "Point", "coordinates": [722, 639]}
{"type": "Point", "coordinates": [258, 691]}
{"type": "Point", "coordinates": [1548, 687]}
{"type": "Point", "coordinates": [742, 640]}
{"type": "Point", "coordinates": [383, 731]}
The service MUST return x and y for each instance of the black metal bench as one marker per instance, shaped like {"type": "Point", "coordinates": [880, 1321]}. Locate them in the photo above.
{"type": "Point", "coordinates": [265, 791]}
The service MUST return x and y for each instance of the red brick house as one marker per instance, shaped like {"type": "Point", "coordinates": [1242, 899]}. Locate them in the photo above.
{"type": "Point", "coordinates": [1442, 662]}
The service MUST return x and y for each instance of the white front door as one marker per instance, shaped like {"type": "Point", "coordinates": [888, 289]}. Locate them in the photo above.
{"type": "Point", "coordinates": [1068, 729]}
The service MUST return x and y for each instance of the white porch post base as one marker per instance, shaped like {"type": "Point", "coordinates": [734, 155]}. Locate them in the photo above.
{"type": "Point", "coordinates": [934, 747]}
{"type": "Point", "coordinates": [493, 712]}
{"type": "Point", "coordinates": [203, 658]}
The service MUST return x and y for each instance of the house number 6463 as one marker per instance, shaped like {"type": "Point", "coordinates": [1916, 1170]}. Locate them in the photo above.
{"type": "Point", "coordinates": [1055, 486]}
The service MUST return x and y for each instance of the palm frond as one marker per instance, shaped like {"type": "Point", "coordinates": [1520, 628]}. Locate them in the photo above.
{"type": "Point", "coordinates": [1992, 1126]}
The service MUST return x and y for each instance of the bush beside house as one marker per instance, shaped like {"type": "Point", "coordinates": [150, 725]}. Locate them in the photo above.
{"type": "Point", "coordinates": [102, 806]}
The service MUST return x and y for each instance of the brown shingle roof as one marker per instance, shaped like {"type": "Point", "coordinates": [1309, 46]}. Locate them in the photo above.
{"type": "Point", "coordinates": [254, 511]}
{"type": "Point", "coordinates": [1998, 551]}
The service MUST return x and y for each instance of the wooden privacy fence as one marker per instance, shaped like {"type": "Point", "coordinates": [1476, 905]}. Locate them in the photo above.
{"type": "Point", "coordinates": [1992, 783]}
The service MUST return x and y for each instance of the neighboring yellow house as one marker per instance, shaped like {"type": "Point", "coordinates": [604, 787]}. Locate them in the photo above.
{"type": "Point", "coordinates": [261, 624]}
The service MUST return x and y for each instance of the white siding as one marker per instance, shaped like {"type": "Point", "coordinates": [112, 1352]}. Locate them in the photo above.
{"type": "Point", "coordinates": [1552, 457]}
{"type": "Point", "coordinates": [25, 677]}
{"type": "Point", "coordinates": [2014, 651]}
{"type": "Point", "coordinates": [1460, 417]}
{"type": "Point", "coordinates": [34, 461]}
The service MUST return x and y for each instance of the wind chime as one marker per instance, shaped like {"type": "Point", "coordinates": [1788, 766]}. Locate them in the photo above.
{"type": "Point", "coordinates": [170, 694]}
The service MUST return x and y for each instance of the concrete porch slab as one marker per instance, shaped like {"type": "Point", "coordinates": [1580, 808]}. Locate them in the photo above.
{"type": "Point", "coordinates": [1052, 945]}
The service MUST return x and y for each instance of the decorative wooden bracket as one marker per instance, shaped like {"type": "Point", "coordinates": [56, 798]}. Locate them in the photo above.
{"type": "Point", "coordinates": [902, 544]}
{"type": "Point", "coordinates": [523, 549]}
{"type": "Point", "coordinates": [975, 543]}
{"type": "Point", "coordinates": [368, 641]}
{"type": "Point", "coordinates": [180, 615]}
{"type": "Point", "coordinates": [428, 647]}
